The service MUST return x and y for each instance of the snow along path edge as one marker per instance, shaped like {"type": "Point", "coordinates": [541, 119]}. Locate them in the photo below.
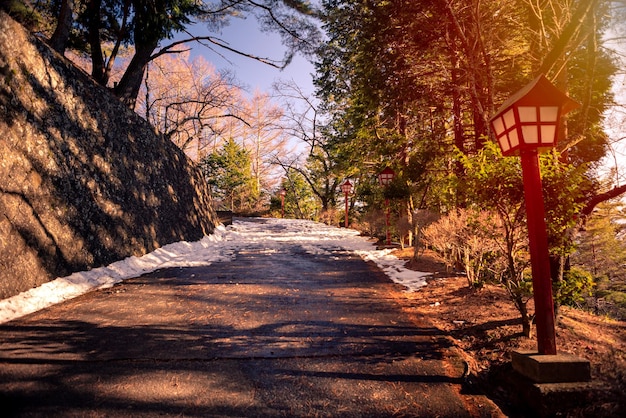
{"type": "Point", "coordinates": [315, 238]}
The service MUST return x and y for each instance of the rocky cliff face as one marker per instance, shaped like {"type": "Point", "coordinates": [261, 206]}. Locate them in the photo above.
{"type": "Point", "coordinates": [84, 181]}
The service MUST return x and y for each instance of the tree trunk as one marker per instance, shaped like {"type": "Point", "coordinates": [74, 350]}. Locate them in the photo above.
{"type": "Point", "coordinates": [459, 140]}
{"type": "Point", "coordinates": [120, 38]}
{"type": "Point", "coordinates": [557, 272]}
{"type": "Point", "coordinates": [526, 319]}
{"type": "Point", "coordinates": [570, 31]}
{"type": "Point", "coordinates": [93, 37]}
{"type": "Point", "coordinates": [405, 222]}
{"type": "Point", "coordinates": [61, 34]}
{"type": "Point", "coordinates": [128, 87]}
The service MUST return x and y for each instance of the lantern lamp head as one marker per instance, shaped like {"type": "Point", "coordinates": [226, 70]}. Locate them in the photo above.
{"type": "Point", "coordinates": [346, 187]}
{"type": "Point", "coordinates": [530, 118]}
{"type": "Point", "coordinates": [386, 176]}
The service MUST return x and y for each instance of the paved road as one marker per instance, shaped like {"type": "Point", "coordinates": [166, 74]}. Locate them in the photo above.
{"type": "Point", "coordinates": [280, 332]}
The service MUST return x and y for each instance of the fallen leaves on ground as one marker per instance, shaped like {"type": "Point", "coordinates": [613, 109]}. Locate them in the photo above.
{"type": "Point", "coordinates": [485, 325]}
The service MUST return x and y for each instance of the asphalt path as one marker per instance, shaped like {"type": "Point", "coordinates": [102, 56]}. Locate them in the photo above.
{"type": "Point", "coordinates": [270, 333]}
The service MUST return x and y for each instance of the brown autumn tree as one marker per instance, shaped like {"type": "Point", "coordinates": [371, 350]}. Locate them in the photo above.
{"type": "Point", "coordinates": [186, 100]}
{"type": "Point", "coordinates": [266, 139]}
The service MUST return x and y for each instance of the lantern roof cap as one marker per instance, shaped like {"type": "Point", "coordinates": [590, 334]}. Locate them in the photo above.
{"type": "Point", "coordinates": [539, 92]}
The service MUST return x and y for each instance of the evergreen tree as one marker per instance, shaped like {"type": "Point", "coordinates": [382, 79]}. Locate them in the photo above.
{"type": "Point", "coordinates": [230, 175]}
{"type": "Point", "coordinates": [601, 249]}
{"type": "Point", "coordinates": [300, 202]}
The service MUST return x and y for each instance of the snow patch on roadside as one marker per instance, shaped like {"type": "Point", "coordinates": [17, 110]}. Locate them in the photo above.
{"type": "Point", "coordinates": [266, 235]}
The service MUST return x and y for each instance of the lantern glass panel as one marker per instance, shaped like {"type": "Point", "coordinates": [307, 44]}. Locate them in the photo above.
{"type": "Point", "coordinates": [527, 113]}
{"type": "Point", "coordinates": [498, 127]}
{"type": "Point", "coordinates": [548, 134]}
{"type": "Point", "coordinates": [531, 134]}
{"type": "Point", "coordinates": [548, 113]}
{"type": "Point", "coordinates": [513, 138]}
{"type": "Point", "coordinates": [504, 144]}
{"type": "Point", "coordinates": [509, 119]}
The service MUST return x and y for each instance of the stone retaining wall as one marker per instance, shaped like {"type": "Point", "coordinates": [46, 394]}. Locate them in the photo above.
{"type": "Point", "coordinates": [84, 181]}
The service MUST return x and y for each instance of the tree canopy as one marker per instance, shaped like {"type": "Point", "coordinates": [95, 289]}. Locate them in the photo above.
{"type": "Point", "coordinates": [102, 28]}
{"type": "Point", "coordinates": [406, 83]}
{"type": "Point", "coordinates": [412, 85]}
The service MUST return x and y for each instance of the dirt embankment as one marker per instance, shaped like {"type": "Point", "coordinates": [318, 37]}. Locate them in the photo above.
{"type": "Point", "coordinates": [485, 325]}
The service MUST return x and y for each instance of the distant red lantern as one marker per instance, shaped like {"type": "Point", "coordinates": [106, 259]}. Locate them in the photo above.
{"type": "Point", "coordinates": [346, 187]}
{"type": "Point", "coordinates": [386, 176]}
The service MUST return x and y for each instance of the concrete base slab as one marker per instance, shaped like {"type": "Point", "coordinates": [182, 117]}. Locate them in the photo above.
{"type": "Point", "coordinates": [558, 368]}
{"type": "Point", "coordinates": [553, 399]}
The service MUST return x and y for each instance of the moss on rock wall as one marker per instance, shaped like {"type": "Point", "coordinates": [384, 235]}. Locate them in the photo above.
{"type": "Point", "coordinates": [84, 181]}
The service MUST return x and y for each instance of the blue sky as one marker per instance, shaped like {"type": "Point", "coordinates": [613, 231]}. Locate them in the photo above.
{"type": "Point", "coordinates": [244, 35]}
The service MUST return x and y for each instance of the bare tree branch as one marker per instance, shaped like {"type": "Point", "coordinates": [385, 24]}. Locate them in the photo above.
{"type": "Point", "coordinates": [169, 49]}
{"type": "Point", "coordinates": [570, 31]}
{"type": "Point", "coordinates": [602, 197]}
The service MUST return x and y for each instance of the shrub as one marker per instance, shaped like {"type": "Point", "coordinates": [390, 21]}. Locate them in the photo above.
{"type": "Point", "coordinates": [487, 248]}
{"type": "Point", "coordinates": [577, 284]}
{"type": "Point", "coordinates": [465, 238]}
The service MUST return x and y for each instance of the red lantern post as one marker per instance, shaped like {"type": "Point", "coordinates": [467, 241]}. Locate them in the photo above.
{"type": "Point", "coordinates": [526, 123]}
{"type": "Point", "coordinates": [346, 188]}
{"type": "Point", "coordinates": [385, 177]}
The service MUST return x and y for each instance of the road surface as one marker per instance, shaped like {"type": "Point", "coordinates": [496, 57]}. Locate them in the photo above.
{"type": "Point", "coordinates": [278, 332]}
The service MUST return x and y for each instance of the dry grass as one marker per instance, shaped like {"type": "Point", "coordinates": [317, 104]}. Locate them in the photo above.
{"type": "Point", "coordinates": [486, 327]}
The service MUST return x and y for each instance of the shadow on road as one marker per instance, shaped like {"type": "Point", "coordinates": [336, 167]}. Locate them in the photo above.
{"type": "Point", "coordinates": [267, 334]}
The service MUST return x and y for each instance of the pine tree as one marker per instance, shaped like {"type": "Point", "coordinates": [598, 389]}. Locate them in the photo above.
{"type": "Point", "coordinates": [229, 173]}
{"type": "Point", "coordinates": [601, 249]}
